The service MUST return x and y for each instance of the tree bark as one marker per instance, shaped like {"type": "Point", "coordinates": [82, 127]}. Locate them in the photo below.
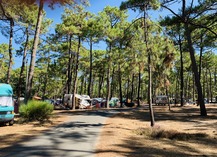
{"type": "Point", "coordinates": [91, 67]}
{"type": "Point", "coordinates": [132, 87]}
{"type": "Point", "coordinates": [10, 50]}
{"type": "Point", "coordinates": [120, 85]}
{"type": "Point", "coordinates": [21, 78]}
{"type": "Point", "coordinates": [181, 73]}
{"type": "Point", "coordinates": [149, 69]}
{"type": "Point", "coordinates": [34, 50]}
{"type": "Point", "coordinates": [76, 73]}
{"type": "Point", "coordinates": [194, 68]}
{"type": "Point", "coordinates": [139, 86]}
{"type": "Point", "coordinates": [108, 77]}
{"type": "Point", "coordinates": [69, 70]}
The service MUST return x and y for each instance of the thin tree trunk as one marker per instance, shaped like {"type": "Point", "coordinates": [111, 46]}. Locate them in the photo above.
{"type": "Point", "coordinates": [108, 77]}
{"type": "Point", "coordinates": [207, 85]}
{"type": "Point", "coordinates": [21, 78]}
{"type": "Point", "coordinates": [101, 79]}
{"type": "Point", "coordinates": [139, 86]}
{"type": "Point", "coordinates": [90, 72]}
{"type": "Point", "coordinates": [127, 90]}
{"type": "Point", "coordinates": [82, 84]}
{"type": "Point", "coordinates": [76, 73]}
{"type": "Point", "coordinates": [149, 69]}
{"type": "Point", "coordinates": [181, 73]}
{"type": "Point", "coordinates": [112, 83]}
{"type": "Point", "coordinates": [34, 50]}
{"type": "Point", "coordinates": [210, 84]}
{"type": "Point", "coordinates": [132, 88]}
{"type": "Point", "coordinates": [193, 87]}
{"type": "Point", "coordinates": [69, 70]}
{"type": "Point", "coordinates": [10, 51]}
{"type": "Point", "coordinates": [120, 85]}
{"type": "Point", "coordinates": [201, 55]}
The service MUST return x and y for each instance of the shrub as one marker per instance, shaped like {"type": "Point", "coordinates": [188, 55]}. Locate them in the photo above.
{"type": "Point", "coordinates": [169, 134]}
{"type": "Point", "coordinates": [36, 111]}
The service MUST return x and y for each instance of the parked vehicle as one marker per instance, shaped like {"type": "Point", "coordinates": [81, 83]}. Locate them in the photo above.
{"type": "Point", "coordinates": [161, 99]}
{"type": "Point", "coordinates": [114, 102]}
{"type": "Point", "coordinates": [6, 104]}
{"type": "Point", "coordinates": [99, 102]}
{"type": "Point", "coordinates": [81, 101]}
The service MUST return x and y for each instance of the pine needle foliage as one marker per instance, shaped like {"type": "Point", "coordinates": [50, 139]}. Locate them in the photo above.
{"type": "Point", "coordinates": [36, 111]}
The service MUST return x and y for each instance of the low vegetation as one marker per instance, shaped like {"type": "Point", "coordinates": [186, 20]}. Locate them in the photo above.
{"type": "Point", "coordinates": [169, 134]}
{"type": "Point", "coordinates": [35, 111]}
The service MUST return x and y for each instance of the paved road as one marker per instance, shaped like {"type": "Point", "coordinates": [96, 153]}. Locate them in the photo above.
{"type": "Point", "coordinates": [75, 138]}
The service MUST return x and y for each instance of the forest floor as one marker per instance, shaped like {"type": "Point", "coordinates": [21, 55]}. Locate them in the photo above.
{"type": "Point", "coordinates": [125, 134]}
{"type": "Point", "coordinates": [128, 133]}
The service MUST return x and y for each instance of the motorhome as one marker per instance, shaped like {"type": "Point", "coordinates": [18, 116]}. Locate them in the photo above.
{"type": "Point", "coordinates": [6, 104]}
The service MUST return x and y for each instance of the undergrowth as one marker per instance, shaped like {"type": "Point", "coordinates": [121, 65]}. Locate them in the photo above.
{"type": "Point", "coordinates": [169, 134]}
{"type": "Point", "coordinates": [36, 111]}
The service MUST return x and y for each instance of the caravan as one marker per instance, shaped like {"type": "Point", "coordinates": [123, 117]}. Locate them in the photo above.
{"type": "Point", "coordinates": [81, 101]}
{"type": "Point", "coordinates": [6, 104]}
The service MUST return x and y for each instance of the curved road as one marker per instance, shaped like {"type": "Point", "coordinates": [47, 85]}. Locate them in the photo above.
{"type": "Point", "coordinates": [75, 138]}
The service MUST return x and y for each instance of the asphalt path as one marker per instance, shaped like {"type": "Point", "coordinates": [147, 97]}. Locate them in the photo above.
{"type": "Point", "coordinates": [77, 137]}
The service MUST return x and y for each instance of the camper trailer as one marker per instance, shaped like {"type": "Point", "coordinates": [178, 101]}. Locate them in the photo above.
{"type": "Point", "coordinates": [6, 104]}
{"type": "Point", "coordinates": [81, 101]}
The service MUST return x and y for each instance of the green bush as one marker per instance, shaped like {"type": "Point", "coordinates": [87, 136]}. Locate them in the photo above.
{"type": "Point", "coordinates": [36, 111]}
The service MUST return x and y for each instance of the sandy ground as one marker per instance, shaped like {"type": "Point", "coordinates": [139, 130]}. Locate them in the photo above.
{"type": "Point", "coordinates": [120, 138]}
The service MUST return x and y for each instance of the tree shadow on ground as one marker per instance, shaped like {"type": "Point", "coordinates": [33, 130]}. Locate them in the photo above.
{"type": "Point", "coordinates": [138, 146]}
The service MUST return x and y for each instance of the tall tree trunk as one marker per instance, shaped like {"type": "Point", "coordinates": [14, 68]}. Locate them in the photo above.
{"type": "Point", "coordinates": [21, 77]}
{"type": "Point", "coordinates": [112, 83]}
{"type": "Point", "coordinates": [91, 67]}
{"type": "Point", "coordinates": [139, 86]}
{"type": "Point", "coordinates": [132, 88]}
{"type": "Point", "coordinates": [215, 86]}
{"type": "Point", "coordinates": [181, 72]}
{"type": "Point", "coordinates": [34, 50]}
{"type": "Point", "coordinates": [201, 55]}
{"type": "Point", "coordinates": [177, 89]}
{"type": "Point", "coordinates": [108, 77]}
{"type": "Point", "coordinates": [120, 85]}
{"type": "Point", "coordinates": [193, 84]}
{"type": "Point", "coordinates": [194, 68]}
{"type": "Point", "coordinates": [69, 70]}
{"type": "Point", "coordinates": [127, 90]}
{"type": "Point", "coordinates": [76, 73]}
{"type": "Point", "coordinates": [149, 68]}
{"type": "Point", "coordinates": [10, 50]}
{"type": "Point", "coordinates": [207, 85]}
{"type": "Point", "coordinates": [210, 85]}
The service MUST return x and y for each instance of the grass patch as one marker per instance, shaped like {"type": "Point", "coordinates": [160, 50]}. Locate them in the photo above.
{"type": "Point", "coordinates": [158, 133]}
